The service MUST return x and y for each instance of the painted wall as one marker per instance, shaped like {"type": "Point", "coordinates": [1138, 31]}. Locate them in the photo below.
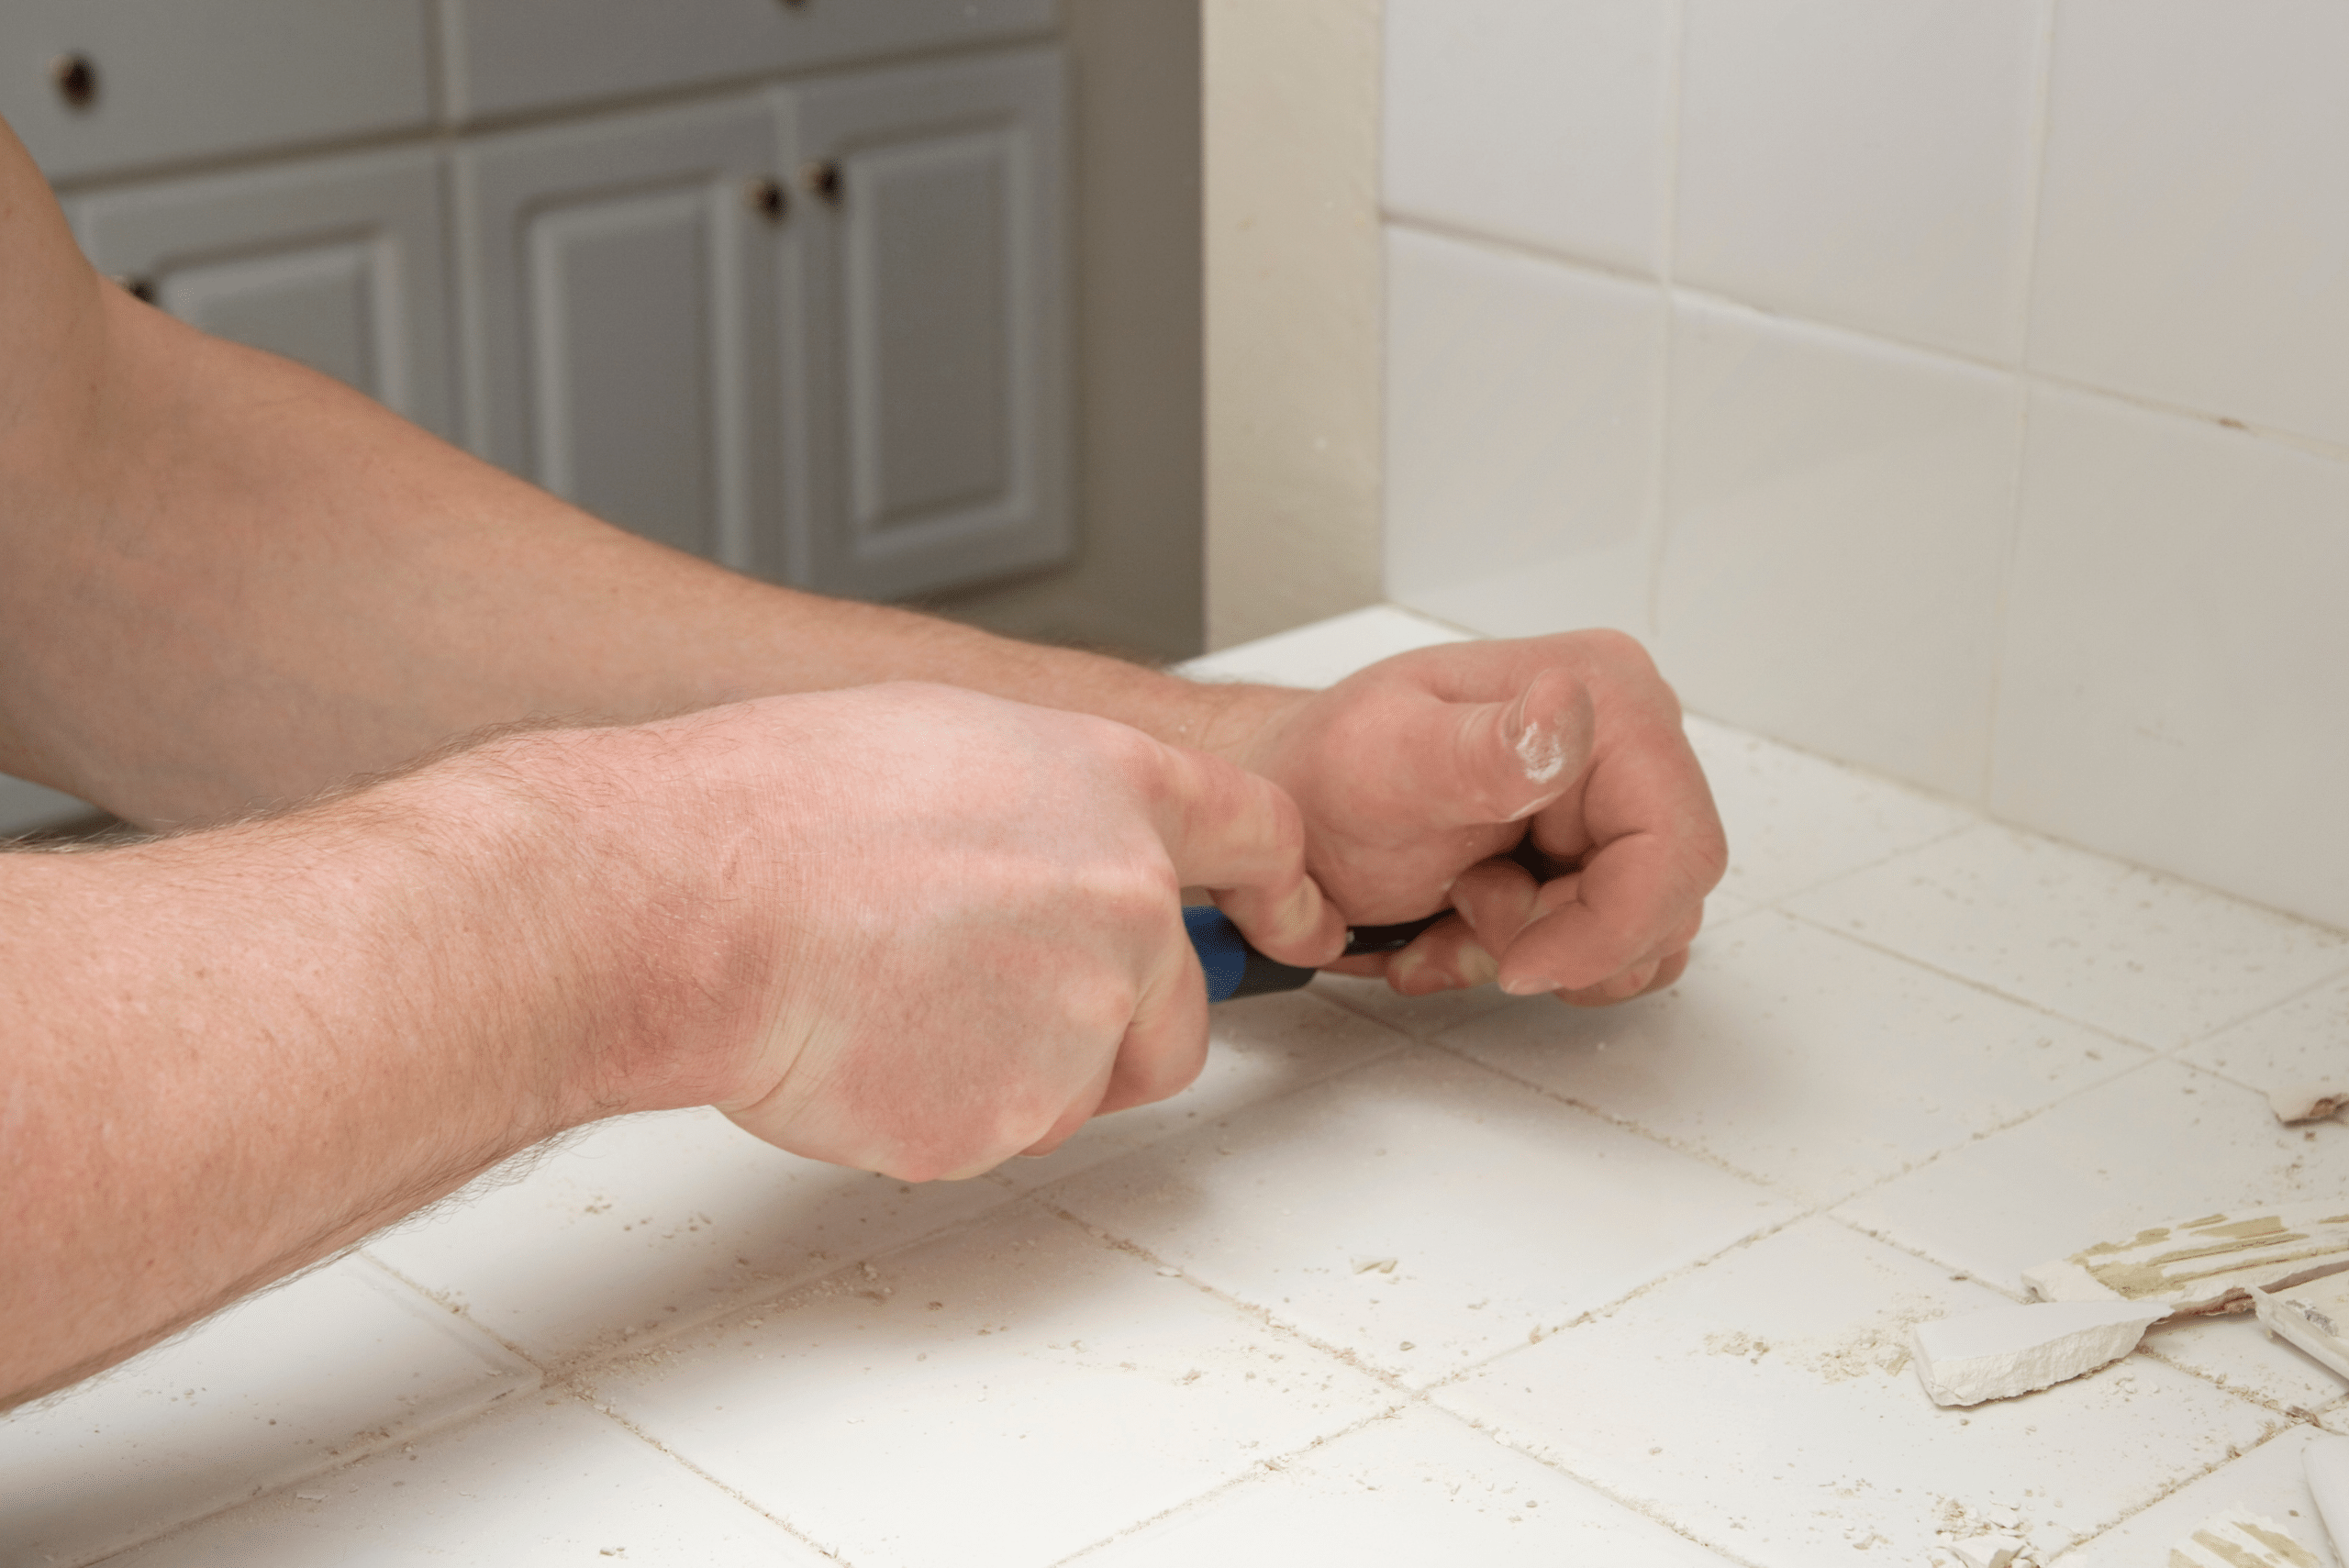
{"type": "Point", "coordinates": [1958, 387]}
{"type": "Point", "coordinates": [1292, 313]}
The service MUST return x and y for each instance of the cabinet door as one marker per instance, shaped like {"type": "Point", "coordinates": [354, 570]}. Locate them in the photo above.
{"type": "Point", "coordinates": [336, 263]}
{"type": "Point", "coordinates": [619, 281]}
{"type": "Point", "coordinates": [939, 410]}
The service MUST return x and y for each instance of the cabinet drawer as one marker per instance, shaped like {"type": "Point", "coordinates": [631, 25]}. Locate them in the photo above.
{"type": "Point", "coordinates": [173, 81]}
{"type": "Point", "coordinates": [509, 56]}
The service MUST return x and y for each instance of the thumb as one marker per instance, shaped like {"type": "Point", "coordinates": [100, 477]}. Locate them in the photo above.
{"type": "Point", "coordinates": [1505, 761]}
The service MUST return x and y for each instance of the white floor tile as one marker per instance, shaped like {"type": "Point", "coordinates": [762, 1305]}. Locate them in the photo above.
{"type": "Point", "coordinates": [1260, 1046]}
{"type": "Point", "coordinates": [2304, 1041]}
{"type": "Point", "coordinates": [1796, 820]}
{"type": "Point", "coordinates": [2159, 1144]}
{"type": "Point", "coordinates": [1006, 1395]}
{"type": "Point", "coordinates": [1327, 651]}
{"type": "Point", "coordinates": [2143, 955]}
{"type": "Point", "coordinates": [1764, 1405]}
{"type": "Point", "coordinates": [1393, 1211]}
{"type": "Point", "coordinates": [1808, 1063]}
{"type": "Point", "coordinates": [1416, 1488]}
{"type": "Point", "coordinates": [279, 1387]}
{"type": "Point", "coordinates": [526, 1487]}
{"type": "Point", "coordinates": [2269, 1481]}
{"type": "Point", "coordinates": [651, 1222]}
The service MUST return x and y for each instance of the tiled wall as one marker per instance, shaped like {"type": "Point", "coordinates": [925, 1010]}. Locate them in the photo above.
{"type": "Point", "coordinates": [1958, 387]}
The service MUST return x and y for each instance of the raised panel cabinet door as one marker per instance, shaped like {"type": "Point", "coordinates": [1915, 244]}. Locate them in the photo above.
{"type": "Point", "coordinates": [939, 406]}
{"type": "Point", "coordinates": [619, 281]}
{"type": "Point", "coordinates": [338, 263]}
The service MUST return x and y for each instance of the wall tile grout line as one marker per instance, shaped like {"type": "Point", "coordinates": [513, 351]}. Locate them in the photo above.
{"type": "Point", "coordinates": [2029, 378]}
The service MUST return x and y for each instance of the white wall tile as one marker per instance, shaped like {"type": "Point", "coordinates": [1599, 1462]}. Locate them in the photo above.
{"type": "Point", "coordinates": [1864, 161]}
{"type": "Point", "coordinates": [526, 1487]}
{"type": "Point", "coordinates": [2119, 947]}
{"type": "Point", "coordinates": [1521, 414]}
{"type": "Point", "coordinates": [280, 1386]}
{"type": "Point", "coordinates": [1816, 1443]}
{"type": "Point", "coordinates": [2176, 675]}
{"type": "Point", "coordinates": [2271, 1481]}
{"type": "Point", "coordinates": [1837, 513]}
{"type": "Point", "coordinates": [1531, 120]}
{"type": "Point", "coordinates": [2195, 239]}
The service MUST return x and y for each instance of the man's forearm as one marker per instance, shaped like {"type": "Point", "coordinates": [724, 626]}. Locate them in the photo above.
{"type": "Point", "coordinates": [231, 1054]}
{"type": "Point", "coordinates": [227, 580]}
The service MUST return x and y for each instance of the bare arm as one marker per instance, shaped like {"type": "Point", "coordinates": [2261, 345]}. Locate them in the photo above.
{"type": "Point", "coordinates": [233, 1052]}
{"type": "Point", "coordinates": [226, 579]}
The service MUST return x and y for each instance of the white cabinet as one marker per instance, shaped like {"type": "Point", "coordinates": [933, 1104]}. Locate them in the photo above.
{"type": "Point", "coordinates": [338, 263]}
{"type": "Point", "coordinates": [938, 350]}
{"type": "Point", "coordinates": [624, 345]}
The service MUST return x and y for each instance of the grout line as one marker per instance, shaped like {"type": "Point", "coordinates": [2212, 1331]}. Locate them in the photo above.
{"type": "Point", "coordinates": [2152, 1052]}
{"type": "Point", "coordinates": [1668, 263]}
{"type": "Point", "coordinates": [2028, 377]}
{"type": "Point", "coordinates": [2011, 549]}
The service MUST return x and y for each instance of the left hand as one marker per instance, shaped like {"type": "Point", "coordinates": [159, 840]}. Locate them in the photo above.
{"type": "Point", "coordinates": [1419, 775]}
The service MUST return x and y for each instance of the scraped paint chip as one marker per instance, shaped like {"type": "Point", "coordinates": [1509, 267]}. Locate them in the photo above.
{"type": "Point", "coordinates": [2008, 1350]}
{"type": "Point", "coordinates": [2239, 1538]}
{"type": "Point", "coordinates": [1988, 1550]}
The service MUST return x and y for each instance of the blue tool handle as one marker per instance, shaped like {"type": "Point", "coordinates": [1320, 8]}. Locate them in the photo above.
{"type": "Point", "coordinates": [1235, 969]}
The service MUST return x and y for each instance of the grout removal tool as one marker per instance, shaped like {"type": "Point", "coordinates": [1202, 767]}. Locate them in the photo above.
{"type": "Point", "coordinates": [1236, 969]}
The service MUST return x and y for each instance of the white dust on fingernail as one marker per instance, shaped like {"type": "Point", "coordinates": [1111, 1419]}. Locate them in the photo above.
{"type": "Point", "coordinates": [1543, 753]}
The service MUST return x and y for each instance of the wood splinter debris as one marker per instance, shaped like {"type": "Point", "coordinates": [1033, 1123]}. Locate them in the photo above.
{"type": "Point", "coordinates": [2239, 1538]}
{"type": "Point", "coordinates": [2006, 1351]}
{"type": "Point", "coordinates": [2203, 1265]}
{"type": "Point", "coordinates": [2308, 1102]}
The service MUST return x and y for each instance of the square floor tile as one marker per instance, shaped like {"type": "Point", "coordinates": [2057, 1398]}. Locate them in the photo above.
{"type": "Point", "coordinates": [2304, 1041]}
{"type": "Point", "coordinates": [279, 1386]}
{"type": "Point", "coordinates": [1812, 1063]}
{"type": "Point", "coordinates": [2156, 1145]}
{"type": "Point", "coordinates": [1421, 1213]}
{"type": "Point", "coordinates": [1259, 1047]}
{"type": "Point", "coordinates": [2268, 1480]}
{"type": "Point", "coordinates": [1007, 1393]}
{"type": "Point", "coordinates": [1417, 1487]}
{"type": "Point", "coordinates": [648, 1222]}
{"type": "Point", "coordinates": [2143, 955]}
{"type": "Point", "coordinates": [1796, 820]}
{"type": "Point", "coordinates": [526, 1487]}
{"type": "Point", "coordinates": [1765, 1405]}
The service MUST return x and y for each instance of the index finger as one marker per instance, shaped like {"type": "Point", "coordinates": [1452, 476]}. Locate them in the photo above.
{"type": "Point", "coordinates": [1240, 837]}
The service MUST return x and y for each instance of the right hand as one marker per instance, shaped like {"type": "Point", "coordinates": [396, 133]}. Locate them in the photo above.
{"type": "Point", "coordinates": [965, 917]}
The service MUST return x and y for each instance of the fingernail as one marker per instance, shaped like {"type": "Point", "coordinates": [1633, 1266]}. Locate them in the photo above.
{"type": "Point", "coordinates": [1477, 967]}
{"type": "Point", "coordinates": [1528, 987]}
{"type": "Point", "coordinates": [1300, 912]}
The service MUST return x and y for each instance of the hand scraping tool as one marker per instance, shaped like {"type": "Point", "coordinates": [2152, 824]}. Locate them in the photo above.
{"type": "Point", "coordinates": [1235, 969]}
